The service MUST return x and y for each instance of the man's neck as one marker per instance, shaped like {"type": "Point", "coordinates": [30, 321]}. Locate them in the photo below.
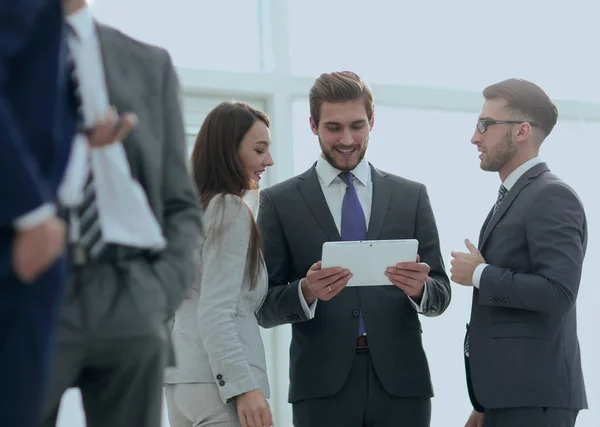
{"type": "Point", "coordinates": [72, 6]}
{"type": "Point", "coordinates": [515, 163]}
{"type": "Point", "coordinates": [513, 166]}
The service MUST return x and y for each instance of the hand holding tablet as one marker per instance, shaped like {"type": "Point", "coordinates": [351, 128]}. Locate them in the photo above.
{"type": "Point", "coordinates": [324, 283]}
{"type": "Point", "coordinates": [410, 277]}
{"type": "Point", "coordinates": [380, 262]}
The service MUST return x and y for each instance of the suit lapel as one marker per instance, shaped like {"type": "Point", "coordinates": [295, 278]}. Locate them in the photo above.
{"type": "Point", "coordinates": [311, 191]}
{"type": "Point", "coordinates": [485, 224]}
{"type": "Point", "coordinates": [379, 204]}
{"type": "Point", "coordinates": [521, 183]}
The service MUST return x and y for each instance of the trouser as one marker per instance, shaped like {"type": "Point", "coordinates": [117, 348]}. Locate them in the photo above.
{"type": "Point", "coordinates": [28, 315]}
{"type": "Point", "coordinates": [199, 405]}
{"type": "Point", "coordinates": [530, 417]}
{"type": "Point", "coordinates": [363, 402]}
{"type": "Point", "coordinates": [112, 345]}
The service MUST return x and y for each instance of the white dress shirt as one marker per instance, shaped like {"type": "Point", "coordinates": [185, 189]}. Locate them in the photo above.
{"type": "Point", "coordinates": [124, 212]}
{"type": "Point", "coordinates": [334, 189]}
{"type": "Point", "coordinates": [508, 183]}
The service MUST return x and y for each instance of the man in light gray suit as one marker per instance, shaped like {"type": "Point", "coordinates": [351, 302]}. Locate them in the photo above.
{"type": "Point", "coordinates": [521, 349]}
{"type": "Point", "coordinates": [134, 223]}
{"type": "Point", "coordinates": [356, 356]}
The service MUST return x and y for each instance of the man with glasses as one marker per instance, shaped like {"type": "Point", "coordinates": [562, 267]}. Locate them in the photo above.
{"type": "Point", "coordinates": [522, 355]}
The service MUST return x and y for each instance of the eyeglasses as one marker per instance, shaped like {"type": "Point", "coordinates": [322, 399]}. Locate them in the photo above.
{"type": "Point", "coordinates": [482, 125]}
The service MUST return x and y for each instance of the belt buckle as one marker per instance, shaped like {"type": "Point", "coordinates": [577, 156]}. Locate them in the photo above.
{"type": "Point", "coordinates": [362, 342]}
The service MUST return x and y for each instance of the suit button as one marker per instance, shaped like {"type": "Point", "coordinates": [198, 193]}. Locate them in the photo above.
{"type": "Point", "coordinates": [506, 301]}
{"type": "Point", "coordinates": [221, 383]}
{"type": "Point", "coordinates": [219, 377]}
{"type": "Point", "coordinates": [491, 299]}
{"type": "Point", "coordinates": [355, 313]}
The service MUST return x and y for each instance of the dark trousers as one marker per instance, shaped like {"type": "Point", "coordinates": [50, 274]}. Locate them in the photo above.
{"type": "Point", "coordinates": [28, 315]}
{"type": "Point", "coordinates": [112, 345]}
{"type": "Point", "coordinates": [363, 402]}
{"type": "Point", "coordinates": [530, 417]}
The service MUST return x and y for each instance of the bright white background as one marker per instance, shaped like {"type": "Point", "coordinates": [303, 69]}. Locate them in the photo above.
{"type": "Point", "coordinates": [427, 62]}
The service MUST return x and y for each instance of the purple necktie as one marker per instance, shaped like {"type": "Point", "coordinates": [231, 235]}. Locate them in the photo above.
{"type": "Point", "coordinates": [354, 226]}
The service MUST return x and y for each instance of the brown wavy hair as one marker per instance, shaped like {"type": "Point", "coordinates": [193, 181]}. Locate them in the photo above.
{"type": "Point", "coordinates": [217, 168]}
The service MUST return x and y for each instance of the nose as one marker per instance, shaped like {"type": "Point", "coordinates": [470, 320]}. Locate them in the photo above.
{"type": "Point", "coordinates": [347, 138]}
{"type": "Point", "coordinates": [476, 138]}
{"type": "Point", "coordinates": [268, 160]}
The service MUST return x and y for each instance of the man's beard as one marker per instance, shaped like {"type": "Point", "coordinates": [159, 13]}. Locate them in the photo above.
{"type": "Point", "coordinates": [502, 154]}
{"type": "Point", "coordinates": [344, 168]}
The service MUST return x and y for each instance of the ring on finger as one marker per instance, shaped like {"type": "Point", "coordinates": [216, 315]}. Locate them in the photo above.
{"type": "Point", "coordinates": [329, 287]}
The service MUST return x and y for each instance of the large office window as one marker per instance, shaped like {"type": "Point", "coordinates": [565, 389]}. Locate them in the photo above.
{"type": "Point", "coordinates": [463, 44]}
{"type": "Point", "coordinates": [224, 35]}
{"type": "Point", "coordinates": [433, 147]}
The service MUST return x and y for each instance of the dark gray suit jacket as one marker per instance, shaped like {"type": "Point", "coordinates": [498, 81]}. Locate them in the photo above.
{"type": "Point", "coordinates": [523, 331]}
{"type": "Point", "coordinates": [140, 78]}
{"type": "Point", "coordinates": [295, 221]}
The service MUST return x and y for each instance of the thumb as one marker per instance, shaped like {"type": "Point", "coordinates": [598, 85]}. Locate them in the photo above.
{"type": "Point", "coordinates": [471, 247]}
{"type": "Point", "coordinates": [418, 259]}
{"type": "Point", "coordinates": [126, 124]}
{"type": "Point", "coordinates": [316, 266]}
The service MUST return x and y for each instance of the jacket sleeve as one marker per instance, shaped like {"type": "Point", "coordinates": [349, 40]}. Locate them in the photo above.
{"type": "Point", "coordinates": [224, 257]}
{"type": "Point", "coordinates": [182, 224]}
{"type": "Point", "coordinates": [556, 237]}
{"type": "Point", "coordinates": [282, 304]}
{"type": "Point", "coordinates": [22, 187]}
{"type": "Point", "coordinates": [437, 298]}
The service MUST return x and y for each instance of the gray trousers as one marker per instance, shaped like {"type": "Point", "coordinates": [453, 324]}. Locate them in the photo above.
{"type": "Point", "coordinates": [530, 417]}
{"type": "Point", "coordinates": [199, 405]}
{"type": "Point", "coordinates": [112, 345]}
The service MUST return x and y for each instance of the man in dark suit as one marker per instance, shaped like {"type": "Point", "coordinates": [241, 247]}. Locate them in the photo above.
{"type": "Point", "coordinates": [36, 127]}
{"type": "Point", "coordinates": [356, 356]}
{"type": "Point", "coordinates": [133, 229]}
{"type": "Point", "coordinates": [521, 348]}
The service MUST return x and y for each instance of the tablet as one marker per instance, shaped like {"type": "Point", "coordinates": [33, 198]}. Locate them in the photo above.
{"type": "Point", "coordinates": [368, 260]}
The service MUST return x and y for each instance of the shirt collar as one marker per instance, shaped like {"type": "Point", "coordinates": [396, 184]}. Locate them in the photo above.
{"type": "Point", "coordinates": [327, 173]}
{"type": "Point", "coordinates": [82, 23]}
{"type": "Point", "coordinates": [511, 179]}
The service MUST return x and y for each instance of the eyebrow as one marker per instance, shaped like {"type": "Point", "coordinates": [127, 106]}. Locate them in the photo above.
{"type": "Point", "coordinates": [355, 122]}
{"type": "Point", "coordinates": [484, 118]}
{"type": "Point", "coordinates": [262, 143]}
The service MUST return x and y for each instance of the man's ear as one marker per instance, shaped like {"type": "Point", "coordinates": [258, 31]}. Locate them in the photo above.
{"type": "Point", "coordinates": [314, 126]}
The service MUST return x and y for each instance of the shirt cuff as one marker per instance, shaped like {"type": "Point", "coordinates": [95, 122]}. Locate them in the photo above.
{"type": "Point", "coordinates": [35, 217]}
{"type": "Point", "coordinates": [309, 310]}
{"type": "Point", "coordinates": [477, 274]}
{"type": "Point", "coordinates": [420, 307]}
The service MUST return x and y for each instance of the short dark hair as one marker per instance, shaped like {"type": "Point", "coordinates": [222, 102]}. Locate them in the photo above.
{"type": "Point", "coordinates": [339, 86]}
{"type": "Point", "coordinates": [526, 98]}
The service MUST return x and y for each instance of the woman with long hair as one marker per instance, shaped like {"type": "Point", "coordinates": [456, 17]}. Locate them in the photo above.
{"type": "Point", "coordinates": [220, 376]}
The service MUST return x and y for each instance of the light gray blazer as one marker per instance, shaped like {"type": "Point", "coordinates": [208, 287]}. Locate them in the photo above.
{"type": "Point", "coordinates": [215, 334]}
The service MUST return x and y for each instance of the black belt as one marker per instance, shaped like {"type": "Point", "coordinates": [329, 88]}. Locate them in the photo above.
{"type": "Point", "coordinates": [110, 254]}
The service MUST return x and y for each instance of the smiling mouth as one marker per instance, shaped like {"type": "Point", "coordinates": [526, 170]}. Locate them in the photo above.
{"type": "Point", "coordinates": [258, 174]}
{"type": "Point", "coordinates": [345, 151]}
